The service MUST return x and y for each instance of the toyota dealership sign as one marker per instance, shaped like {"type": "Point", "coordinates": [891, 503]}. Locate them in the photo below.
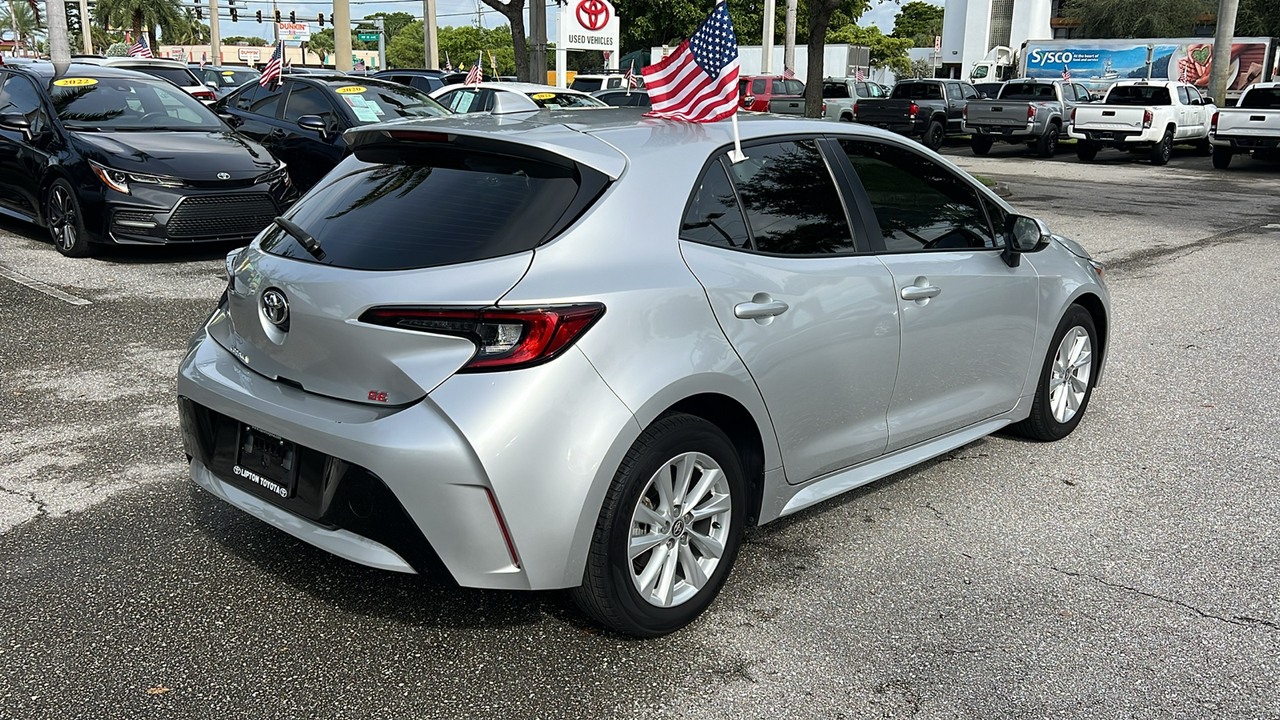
{"type": "Point", "coordinates": [591, 25]}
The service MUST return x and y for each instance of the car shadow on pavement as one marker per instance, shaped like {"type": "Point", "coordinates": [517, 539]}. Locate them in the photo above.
{"type": "Point", "coordinates": [403, 599]}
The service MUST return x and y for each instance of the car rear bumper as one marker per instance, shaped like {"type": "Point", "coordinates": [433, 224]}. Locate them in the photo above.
{"type": "Point", "coordinates": [1117, 137]}
{"type": "Point", "coordinates": [1245, 144]}
{"type": "Point", "coordinates": [1006, 132]}
{"type": "Point", "coordinates": [499, 478]}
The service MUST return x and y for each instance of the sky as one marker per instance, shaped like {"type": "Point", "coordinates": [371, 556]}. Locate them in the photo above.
{"type": "Point", "coordinates": [461, 12]}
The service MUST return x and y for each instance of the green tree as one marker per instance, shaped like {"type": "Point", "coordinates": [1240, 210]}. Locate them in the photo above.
{"type": "Point", "coordinates": [186, 30]}
{"type": "Point", "coordinates": [19, 17]}
{"type": "Point", "coordinates": [252, 40]}
{"type": "Point", "coordinates": [321, 43]}
{"type": "Point", "coordinates": [919, 22]}
{"type": "Point", "coordinates": [392, 22]}
{"type": "Point", "coordinates": [461, 44]}
{"type": "Point", "coordinates": [820, 13]}
{"type": "Point", "coordinates": [139, 14]}
{"type": "Point", "coordinates": [1138, 18]}
{"type": "Point", "coordinates": [513, 10]}
{"type": "Point", "coordinates": [1258, 18]}
{"type": "Point", "coordinates": [886, 50]}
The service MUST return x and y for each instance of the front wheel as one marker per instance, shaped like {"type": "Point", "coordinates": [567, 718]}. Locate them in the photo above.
{"type": "Point", "coordinates": [1066, 379]}
{"type": "Point", "coordinates": [66, 224]}
{"type": "Point", "coordinates": [1221, 157]}
{"type": "Point", "coordinates": [669, 529]}
{"type": "Point", "coordinates": [1163, 150]}
{"type": "Point", "coordinates": [934, 135]}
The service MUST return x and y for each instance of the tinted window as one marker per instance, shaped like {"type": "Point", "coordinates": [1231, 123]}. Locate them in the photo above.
{"type": "Point", "coordinates": [920, 204]}
{"type": "Point", "coordinates": [585, 85]}
{"type": "Point", "coordinates": [177, 76]}
{"type": "Point", "coordinates": [425, 84]}
{"type": "Point", "coordinates": [791, 202]}
{"type": "Point", "coordinates": [1261, 99]}
{"type": "Point", "coordinates": [128, 104]}
{"type": "Point", "coordinates": [1026, 91]}
{"type": "Point", "coordinates": [265, 100]}
{"type": "Point", "coordinates": [244, 98]}
{"type": "Point", "coordinates": [714, 217]}
{"type": "Point", "coordinates": [1139, 95]}
{"type": "Point", "coordinates": [448, 207]}
{"type": "Point", "coordinates": [18, 95]}
{"type": "Point", "coordinates": [917, 91]}
{"type": "Point", "coordinates": [757, 86]}
{"type": "Point", "coordinates": [306, 100]}
{"type": "Point", "coordinates": [554, 100]}
{"type": "Point", "coordinates": [953, 92]}
{"type": "Point", "coordinates": [836, 90]}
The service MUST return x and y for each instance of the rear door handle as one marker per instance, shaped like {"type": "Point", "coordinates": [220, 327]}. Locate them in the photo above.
{"type": "Point", "coordinates": [759, 307]}
{"type": "Point", "coordinates": [920, 290]}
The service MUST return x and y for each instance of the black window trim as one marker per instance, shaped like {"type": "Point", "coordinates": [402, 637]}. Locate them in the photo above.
{"type": "Point", "coordinates": [875, 234]}
{"type": "Point", "coordinates": [858, 229]}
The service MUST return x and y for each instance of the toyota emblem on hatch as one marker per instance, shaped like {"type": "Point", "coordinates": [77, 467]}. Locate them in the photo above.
{"type": "Point", "coordinates": [275, 308]}
{"type": "Point", "coordinates": [224, 176]}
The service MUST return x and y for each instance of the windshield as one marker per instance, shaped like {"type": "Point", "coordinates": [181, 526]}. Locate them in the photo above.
{"type": "Point", "coordinates": [1139, 95]}
{"type": "Point", "coordinates": [1027, 91]}
{"type": "Point", "coordinates": [979, 71]}
{"type": "Point", "coordinates": [181, 77]}
{"type": "Point", "coordinates": [112, 103]}
{"type": "Point", "coordinates": [556, 100]}
{"type": "Point", "coordinates": [387, 101]}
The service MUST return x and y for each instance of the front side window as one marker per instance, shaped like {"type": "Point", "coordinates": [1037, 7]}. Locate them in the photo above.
{"type": "Point", "coordinates": [306, 100]}
{"type": "Point", "coordinates": [953, 92]}
{"type": "Point", "coordinates": [266, 100]}
{"type": "Point", "coordinates": [757, 86]}
{"type": "Point", "coordinates": [921, 205]}
{"type": "Point", "coordinates": [1183, 97]}
{"type": "Point", "coordinates": [714, 217]}
{"type": "Point", "coordinates": [19, 97]}
{"type": "Point", "coordinates": [791, 202]}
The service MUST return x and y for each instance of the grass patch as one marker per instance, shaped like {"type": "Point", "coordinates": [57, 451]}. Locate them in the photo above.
{"type": "Point", "coordinates": [985, 180]}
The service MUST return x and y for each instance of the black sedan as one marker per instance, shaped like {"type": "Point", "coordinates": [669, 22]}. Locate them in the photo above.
{"type": "Point", "coordinates": [108, 155]}
{"type": "Point", "coordinates": [301, 119]}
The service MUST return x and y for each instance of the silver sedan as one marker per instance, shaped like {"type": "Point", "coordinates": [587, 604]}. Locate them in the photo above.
{"type": "Point", "coordinates": [586, 350]}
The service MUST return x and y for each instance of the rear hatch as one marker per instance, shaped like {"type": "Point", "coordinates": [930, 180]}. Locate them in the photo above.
{"type": "Point", "coordinates": [1127, 107]}
{"type": "Point", "coordinates": [996, 112]}
{"type": "Point", "coordinates": [431, 222]}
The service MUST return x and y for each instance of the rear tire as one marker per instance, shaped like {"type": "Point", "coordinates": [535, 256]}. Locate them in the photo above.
{"type": "Point", "coordinates": [1222, 157]}
{"type": "Point", "coordinates": [846, 118]}
{"type": "Point", "coordinates": [65, 221]}
{"type": "Point", "coordinates": [1066, 379]}
{"type": "Point", "coordinates": [1047, 145]}
{"type": "Point", "coordinates": [1086, 151]}
{"type": "Point", "coordinates": [1163, 150]}
{"type": "Point", "coordinates": [687, 539]}
{"type": "Point", "coordinates": [934, 135]}
{"type": "Point", "coordinates": [981, 144]}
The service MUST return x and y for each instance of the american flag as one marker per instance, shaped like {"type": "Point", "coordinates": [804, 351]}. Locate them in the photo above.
{"type": "Point", "coordinates": [448, 66]}
{"type": "Point", "coordinates": [859, 76]}
{"type": "Point", "coordinates": [140, 48]}
{"type": "Point", "coordinates": [271, 73]}
{"type": "Point", "coordinates": [788, 73]}
{"type": "Point", "coordinates": [474, 76]}
{"type": "Point", "coordinates": [630, 76]}
{"type": "Point", "coordinates": [698, 82]}
{"type": "Point", "coordinates": [1066, 73]}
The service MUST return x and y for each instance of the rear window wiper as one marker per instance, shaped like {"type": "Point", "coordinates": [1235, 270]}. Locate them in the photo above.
{"type": "Point", "coordinates": [302, 236]}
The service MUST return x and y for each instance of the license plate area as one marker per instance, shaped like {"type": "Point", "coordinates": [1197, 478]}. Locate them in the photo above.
{"type": "Point", "coordinates": [268, 461]}
{"type": "Point", "coordinates": [1107, 135]}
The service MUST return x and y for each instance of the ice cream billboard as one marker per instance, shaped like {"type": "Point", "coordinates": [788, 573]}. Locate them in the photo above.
{"type": "Point", "coordinates": [1099, 63]}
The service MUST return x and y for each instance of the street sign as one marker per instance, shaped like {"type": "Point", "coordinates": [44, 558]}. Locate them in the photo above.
{"type": "Point", "coordinates": [937, 43]}
{"type": "Point", "coordinates": [590, 25]}
{"type": "Point", "coordinates": [367, 37]}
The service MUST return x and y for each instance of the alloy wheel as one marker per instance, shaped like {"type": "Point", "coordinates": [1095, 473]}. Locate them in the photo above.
{"type": "Point", "coordinates": [1072, 371]}
{"type": "Point", "coordinates": [679, 529]}
{"type": "Point", "coordinates": [62, 219]}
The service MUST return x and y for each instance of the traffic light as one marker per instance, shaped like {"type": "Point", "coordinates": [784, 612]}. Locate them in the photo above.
{"type": "Point", "coordinates": [235, 16]}
{"type": "Point", "coordinates": [293, 17]}
{"type": "Point", "coordinates": [277, 17]}
{"type": "Point", "coordinates": [199, 14]}
{"type": "Point", "coordinates": [330, 18]}
{"type": "Point", "coordinates": [320, 20]}
{"type": "Point", "coordinates": [259, 16]}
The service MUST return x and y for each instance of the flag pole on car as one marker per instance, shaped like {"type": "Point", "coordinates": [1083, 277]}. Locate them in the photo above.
{"type": "Point", "coordinates": [699, 81]}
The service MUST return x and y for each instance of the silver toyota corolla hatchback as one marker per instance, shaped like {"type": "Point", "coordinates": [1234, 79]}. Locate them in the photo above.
{"type": "Point", "coordinates": [557, 350]}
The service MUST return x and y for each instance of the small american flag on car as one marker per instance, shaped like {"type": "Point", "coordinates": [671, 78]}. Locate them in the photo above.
{"type": "Point", "coordinates": [1066, 73]}
{"type": "Point", "coordinates": [474, 75]}
{"type": "Point", "coordinates": [857, 75]}
{"type": "Point", "coordinates": [699, 81]}
{"type": "Point", "coordinates": [271, 73]}
{"type": "Point", "coordinates": [788, 73]}
{"type": "Point", "coordinates": [140, 49]}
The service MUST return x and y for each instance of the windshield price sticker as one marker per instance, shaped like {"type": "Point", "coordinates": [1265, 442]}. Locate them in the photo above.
{"type": "Point", "coordinates": [542, 96]}
{"type": "Point", "coordinates": [75, 82]}
{"type": "Point", "coordinates": [349, 89]}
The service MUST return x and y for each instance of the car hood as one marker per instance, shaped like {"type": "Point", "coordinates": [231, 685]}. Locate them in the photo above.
{"type": "Point", "coordinates": [186, 155]}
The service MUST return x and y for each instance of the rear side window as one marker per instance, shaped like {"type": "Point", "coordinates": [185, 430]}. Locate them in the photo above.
{"type": "Point", "coordinates": [757, 86]}
{"type": "Point", "coordinates": [714, 218]}
{"type": "Point", "coordinates": [443, 206]}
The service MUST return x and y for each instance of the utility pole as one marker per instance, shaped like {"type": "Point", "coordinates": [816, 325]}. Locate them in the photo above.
{"type": "Point", "coordinates": [766, 39]}
{"type": "Point", "coordinates": [215, 35]}
{"type": "Point", "coordinates": [1223, 38]}
{"type": "Point", "coordinates": [342, 35]}
{"type": "Point", "coordinates": [382, 43]}
{"type": "Point", "coordinates": [59, 45]}
{"type": "Point", "coordinates": [789, 30]}
{"type": "Point", "coordinates": [275, 25]}
{"type": "Point", "coordinates": [430, 46]}
{"type": "Point", "coordinates": [537, 41]}
{"type": "Point", "coordinates": [86, 35]}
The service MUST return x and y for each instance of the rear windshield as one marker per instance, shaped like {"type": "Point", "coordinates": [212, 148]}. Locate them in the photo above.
{"type": "Point", "coordinates": [834, 90]}
{"type": "Point", "coordinates": [178, 76]}
{"type": "Point", "coordinates": [447, 207]}
{"type": "Point", "coordinates": [1139, 95]}
{"type": "Point", "coordinates": [1027, 91]}
{"type": "Point", "coordinates": [586, 84]}
{"type": "Point", "coordinates": [555, 100]}
{"type": "Point", "coordinates": [917, 91]}
{"type": "Point", "coordinates": [1261, 99]}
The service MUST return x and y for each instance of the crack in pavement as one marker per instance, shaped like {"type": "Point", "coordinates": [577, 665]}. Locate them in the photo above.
{"type": "Point", "coordinates": [41, 510]}
{"type": "Point", "coordinates": [1149, 257]}
{"type": "Point", "coordinates": [1238, 620]}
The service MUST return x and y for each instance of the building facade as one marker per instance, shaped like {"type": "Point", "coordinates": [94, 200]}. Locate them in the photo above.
{"type": "Point", "coordinates": [971, 28]}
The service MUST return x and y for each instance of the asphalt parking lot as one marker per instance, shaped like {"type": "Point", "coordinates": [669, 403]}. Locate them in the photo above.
{"type": "Point", "coordinates": [1128, 571]}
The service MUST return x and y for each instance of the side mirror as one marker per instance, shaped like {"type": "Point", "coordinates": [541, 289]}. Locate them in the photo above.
{"type": "Point", "coordinates": [211, 83]}
{"type": "Point", "coordinates": [17, 122]}
{"type": "Point", "coordinates": [1023, 234]}
{"type": "Point", "coordinates": [314, 123]}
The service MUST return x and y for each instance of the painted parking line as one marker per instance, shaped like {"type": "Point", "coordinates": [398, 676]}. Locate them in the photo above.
{"type": "Point", "coordinates": [41, 287]}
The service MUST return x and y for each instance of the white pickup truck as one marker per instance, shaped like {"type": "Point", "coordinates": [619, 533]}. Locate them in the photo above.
{"type": "Point", "coordinates": [1143, 114]}
{"type": "Point", "coordinates": [1253, 125]}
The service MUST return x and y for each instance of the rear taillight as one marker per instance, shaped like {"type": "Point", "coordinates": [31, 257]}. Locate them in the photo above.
{"type": "Point", "coordinates": [1213, 123]}
{"type": "Point", "coordinates": [914, 109]}
{"type": "Point", "coordinates": [1073, 116]}
{"type": "Point", "coordinates": [824, 108]}
{"type": "Point", "coordinates": [1031, 112]}
{"type": "Point", "coordinates": [204, 95]}
{"type": "Point", "coordinates": [1147, 117]}
{"type": "Point", "coordinates": [964, 112]}
{"type": "Point", "coordinates": [855, 108]}
{"type": "Point", "coordinates": [505, 338]}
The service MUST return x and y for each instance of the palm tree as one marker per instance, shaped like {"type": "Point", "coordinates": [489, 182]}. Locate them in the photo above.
{"type": "Point", "coordinates": [21, 21]}
{"type": "Point", "coordinates": [137, 14]}
{"type": "Point", "coordinates": [185, 30]}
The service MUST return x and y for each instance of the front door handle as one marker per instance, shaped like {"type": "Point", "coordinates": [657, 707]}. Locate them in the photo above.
{"type": "Point", "coordinates": [920, 290]}
{"type": "Point", "coordinates": [761, 307]}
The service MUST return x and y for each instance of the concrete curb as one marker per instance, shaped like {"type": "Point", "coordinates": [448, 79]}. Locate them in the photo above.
{"type": "Point", "coordinates": [1002, 189]}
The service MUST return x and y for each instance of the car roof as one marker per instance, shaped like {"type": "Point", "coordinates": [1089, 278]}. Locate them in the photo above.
{"type": "Point", "coordinates": [127, 61]}
{"type": "Point", "coordinates": [412, 71]}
